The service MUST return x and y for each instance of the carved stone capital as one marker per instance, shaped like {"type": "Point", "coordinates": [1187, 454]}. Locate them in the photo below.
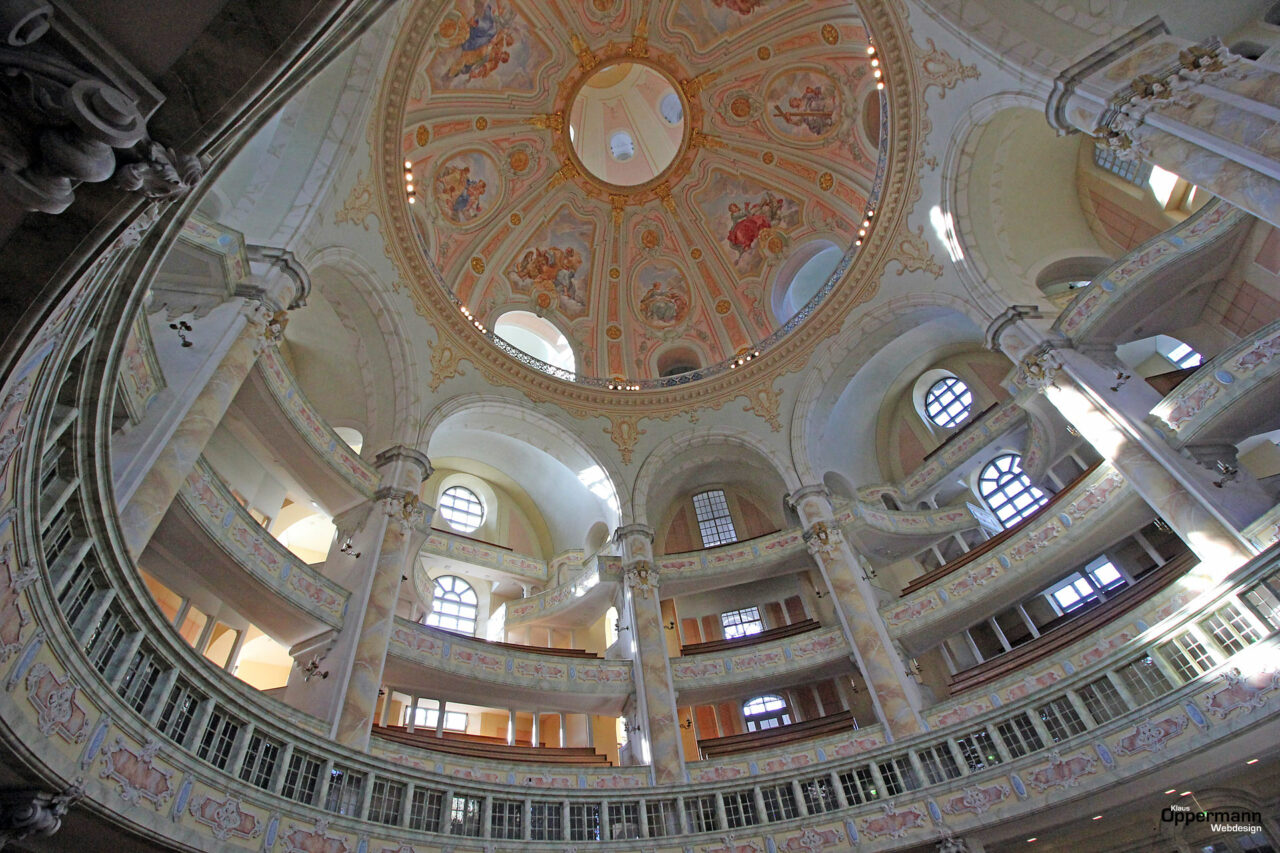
{"type": "Point", "coordinates": [823, 539]}
{"type": "Point", "coordinates": [26, 813]}
{"type": "Point", "coordinates": [1040, 369]}
{"type": "Point", "coordinates": [402, 506]}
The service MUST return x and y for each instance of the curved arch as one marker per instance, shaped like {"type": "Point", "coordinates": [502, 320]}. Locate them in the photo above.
{"type": "Point", "coordinates": [596, 484]}
{"type": "Point", "coordinates": [842, 357]}
{"type": "Point", "coordinates": [661, 463]}
{"type": "Point", "coordinates": [529, 328]}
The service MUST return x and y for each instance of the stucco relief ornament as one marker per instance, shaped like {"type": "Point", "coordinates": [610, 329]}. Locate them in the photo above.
{"type": "Point", "coordinates": [1203, 63]}
{"type": "Point", "coordinates": [1040, 369]}
{"type": "Point", "coordinates": [642, 577]}
{"type": "Point", "coordinates": [407, 508]}
{"type": "Point", "coordinates": [159, 172]}
{"type": "Point", "coordinates": [823, 540]}
{"type": "Point", "coordinates": [27, 814]}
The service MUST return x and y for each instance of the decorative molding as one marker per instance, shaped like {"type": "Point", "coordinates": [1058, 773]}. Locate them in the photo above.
{"type": "Point", "coordinates": [941, 69]}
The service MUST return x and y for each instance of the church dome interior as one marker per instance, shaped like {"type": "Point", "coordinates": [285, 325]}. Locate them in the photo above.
{"type": "Point", "coordinates": [643, 426]}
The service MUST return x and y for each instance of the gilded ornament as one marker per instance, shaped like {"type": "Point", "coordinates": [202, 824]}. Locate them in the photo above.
{"type": "Point", "coordinates": [613, 333]}
{"type": "Point", "coordinates": [830, 34]}
{"type": "Point", "coordinates": [764, 53]}
{"type": "Point", "coordinates": [649, 239]}
{"type": "Point", "coordinates": [614, 272]}
{"type": "Point", "coordinates": [826, 181]}
{"type": "Point", "coordinates": [481, 122]}
{"type": "Point", "coordinates": [422, 136]}
{"type": "Point", "coordinates": [477, 265]}
{"type": "Point", "coordinates": [723, 306]}
{"type": "Point", "coordinates": [695, 253]}
{"type": "Point", "coordinates": [767, 158]}
{"type": "Point", "coordinates": [518, 159]}
{"type": "Point", "coordinates": [740, 106]}
{"type": "Point", "coordinates": [516, 219]}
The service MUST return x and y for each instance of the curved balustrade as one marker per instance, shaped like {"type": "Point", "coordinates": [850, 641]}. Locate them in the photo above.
{"type": "Point", "coordinates": [932, 523]}
{"type": "Point", "coordinates": [961, 446]}
{"type": "Point", "coordinates": [141, 378]}
{"type": "Point", "coordinates": [444, 544]}
{"type": "Point", "coordinates": [703, 678]}
{"type": "Point", "coordinates": [1207, 402]}
{"type": "Point", "coordinates": [313, 428]}
{"type": "Point", "coordinates": [469, 670]}
{"type": "Point", "coordinates": [210, 503]}
{"type": "Point", "coordinates": [1139, 282]}
{"type": "Point", "coordinates": [580, 601]}
{"type": "Point", "coordinates": [1102, 505]}
{"type": "Point", "coordinates": [690, 571]}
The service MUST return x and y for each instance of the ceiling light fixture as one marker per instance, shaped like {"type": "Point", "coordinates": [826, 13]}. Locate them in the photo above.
{"type": "Point", "coordinates": [1252, 761]}
{"type": "Point", "coordinates": [1172, 791]}
{"type": "Point", "coordinates": [1097, 817]}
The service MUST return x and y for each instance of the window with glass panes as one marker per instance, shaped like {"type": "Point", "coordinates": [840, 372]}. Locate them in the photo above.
{"type": "Point", "coordinates": [1231, 629]}
{"type": "Point", "coordinates": [218, 740]}
{"type": "Point", "coordinates": [1135, 171]}
{"type": "Point", "coordinates": [948, 402]}
{"type": "Point", "coordinates": [978, 750]}
{"type": "Point", "coordinates": [453, 606]}
{"type": "Point", "coordinates": [1019, 735]}
{"type": "Point", "coordinates": [346, 790]}
{"type": "Point", "coordinates": [584, 821]}
{"type": "Point", "coordinates": [302, 778]}
{"type": "Point", "coordinates": [765, 712]}
{"type": "Point", "coordinates": [1265, 601]}
{"type": "Point", "coordinates": [77, 592]}
{"type": "Point", "coordinates": [425, 809]}
{"type": "Point", "coordinates": [1144, 680]}
{"type": "Point", "coordinates": [859, 786]}
{"type": "Point", "coordinates": [506, 819]}
{"type": "Point", "coordinates": [1188, 655]}
{"type": "Point", "coordinates": [741, 623]}
{"type": "Point", "coordinates": [465, 814]}
{"type": "Point", "coordinates": [386, 801]}
{"type": "Point", "coordinates": [779, 802]}
{"type": "Point", "coordinates": [1184, 356]}
{"type": "Point", "coordinates": [819, 796]}
{"type": "Point", "coordinates": [714, 522]}
{"type": "Point", "coordinates": [545, 821]}
{"type": "Point", "coordinates": [461, 508]}
{"type": "Point", "coordinates": [179, 710]}
{"type": "Point", "coordinates": [700, 813]}
{"type": "Point", "coordinates": [938, 763]}
{"type": "Point", "coordinates": [139, 680]}
{"type": "Point", "coordinates": [663, 818]}
{"type": "Point", "coordinates": [1060, 719]}
{"type": "Point", "coordinates": [898, 775]}
{"type": "Point", "coordinates": [740, 808]}
{"type": "Point", "coordinates": [1008, 491]}
{"type": "Point", "coordinates": [624, 820]}
{"type": "Point", "coordinates": [104, 640]}
{"type": "Point", "coordinates": [1102, 700]}
{"type": "Point", "coordinates": [259, 764]}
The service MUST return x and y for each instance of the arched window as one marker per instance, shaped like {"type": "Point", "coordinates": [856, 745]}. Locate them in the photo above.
{"type": "Point", "coordinates": [671, 108]}
{"type": "Point", "coordinates": [948, 402]}
{"type": "Point", "coordinates": [714, 522]}
{"type": "Point", "coordinates": [461, 508]}
{"type": "Point", "coordinates": [453, 606]}
{"type": "Point", "coordinates": [622, 146]}
{"type": "Point", "coordinates": [1008, 491]}
{"type": "Point", "coordinates": [536, 336]}
{"type": "Point", "coordinates": [765, 712]}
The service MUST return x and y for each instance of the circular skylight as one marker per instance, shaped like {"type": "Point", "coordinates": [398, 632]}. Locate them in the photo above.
{"type": "Point", "coordinates": [626, 123]}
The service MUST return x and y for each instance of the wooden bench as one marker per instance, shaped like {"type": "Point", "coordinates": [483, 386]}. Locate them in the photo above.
{"type": "Point", "coordinates": [489, 748]}
{"type": "Point", "coordinates": [777, 737]}
{"type": "Point", "coordinates": [1063, 632]}
{"type": "Point", "coordinates": [543, 650]}
{"type": "Point", "coordinates": [995, 541]}
{"type": "Point", "coordinates": [778, 633]}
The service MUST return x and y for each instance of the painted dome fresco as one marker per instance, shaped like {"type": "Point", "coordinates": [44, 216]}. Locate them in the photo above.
{"type": "Point", "coordinates": [669, 203]}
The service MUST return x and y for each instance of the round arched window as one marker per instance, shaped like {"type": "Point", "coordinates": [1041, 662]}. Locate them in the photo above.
{"type": "Point", "coordinates": [671, 108]}
{"type": "Point", "coordinates": [461, 508]}
{"type": "Point", "coordinates": [948, 402]}
{"type": "Point", "coordinates": [622, 146]}
{"type": "Point", "coordinates": [765, 712]}
{"type": "Point", "coordinates": [453, 606]}
{"type": "Point", "coordinates": [1008, 491]}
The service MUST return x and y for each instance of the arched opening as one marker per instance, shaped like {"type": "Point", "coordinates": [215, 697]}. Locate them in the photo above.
{"type": "Point", "coordinates": [802, 276]}
{"type": "Point", "coordinates": [462, 508]}
{"type": "Point", "coordinates": [352, 436]}
{"type": "Point", "coordinates": [765, 712]}
{"type": "Point", "coordinates": [1060, 279]}
{"type": "Point", "coordinates": [677, 360]}
{"type": "Point", "coordinates": [309, 538]}
{"type": "Point", "coordinates": [1008, 491]}
{"type": "Point", "coordinates": [454, 605]}
{"type": "Point", "coordinates": [536, 336]}
{"type": "Point", "coordinates": [1159, 355]}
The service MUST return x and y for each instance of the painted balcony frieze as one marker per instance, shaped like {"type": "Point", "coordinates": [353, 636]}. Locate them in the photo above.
{"type": "Point", "coordinates": [221, 516]}
{"type": "Point", "coordinates": [930, 523]}
{"type": "Point", "coordinates": [1218, 386]}
{"type": "Point", "coordinates": [1265, 531]}
{"type": "Point", "coordinates": [759, 663]}
{"type": "Point", "coordinates": [444, 544]}
{"type": "Point", "coordinates": [1026, 554]}
{"type": "Point", "coordinates": [1114, 288]}
{"type": "Point", "coordinates": [531, 774]}
{"type": "Point", "coordinates": [141, 379]}
{"type": "Point", "coordinates": [713, 562]}
{"type": "Point", "coordinates": [312, 427]}
{"type": "Point", "coordinates": [591, 590]}
{"type": "Point", "coordinates": [502, 666]}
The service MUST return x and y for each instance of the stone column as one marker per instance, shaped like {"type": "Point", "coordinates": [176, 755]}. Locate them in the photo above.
{"type": "Point", "coordinates": [1195, 109]}
{"type": "Point", "coordinates": [894, 693]}
{"type": "Point", "coordinates": [1064, 376]}
{"type": "Point", "coordinates": [655, 694]}
{"type": "Point", "coordinates": [390, 534]}
{"type": "Point", "coordinates": [140, 517]}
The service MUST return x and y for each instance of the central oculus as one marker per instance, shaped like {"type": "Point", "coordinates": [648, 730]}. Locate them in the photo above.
{"type": "Point", "coordinates": [626, 123]}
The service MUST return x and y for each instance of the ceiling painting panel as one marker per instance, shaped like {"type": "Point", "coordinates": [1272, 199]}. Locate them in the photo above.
{"type": "Point", "coordinates": [485, 45]}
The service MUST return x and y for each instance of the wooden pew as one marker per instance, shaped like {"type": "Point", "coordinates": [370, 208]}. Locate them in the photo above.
{"type": "Point", "coordinates": [778, 737]}
{"type": "Point", "coordinates": [1061, 634]}
{"type": "Point", "coordinates": [751, 639]}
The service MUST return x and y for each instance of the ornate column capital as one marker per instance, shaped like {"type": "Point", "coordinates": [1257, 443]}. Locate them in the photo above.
{"type": "Point", "coordinates": [25, 813]}
{"type": "Point", "coordinates": [1040, 369]}
{"type": "Point", "coordinates": [643, 531]}
{"type": "Point", "coordinates": [641, 577]}
{"type": "Point", "coordinates": [823, 539]}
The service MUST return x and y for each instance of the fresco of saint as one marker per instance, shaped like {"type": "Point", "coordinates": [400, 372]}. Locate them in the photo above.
{"type": "Point", "coordinates": [751, 218]}
{"type": "Point", "coordinates": [552, 269]}
{"type": "Point", "coordinates": [459, 194]}
{"type": "Point", "coordinates": [813, 110]}
{"type": "Point", "coordinates": [742, 7]}
{"type": "Point", "coordinates": [666, 302]}
{"type": "Point", "coordinates": [482, 46]}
